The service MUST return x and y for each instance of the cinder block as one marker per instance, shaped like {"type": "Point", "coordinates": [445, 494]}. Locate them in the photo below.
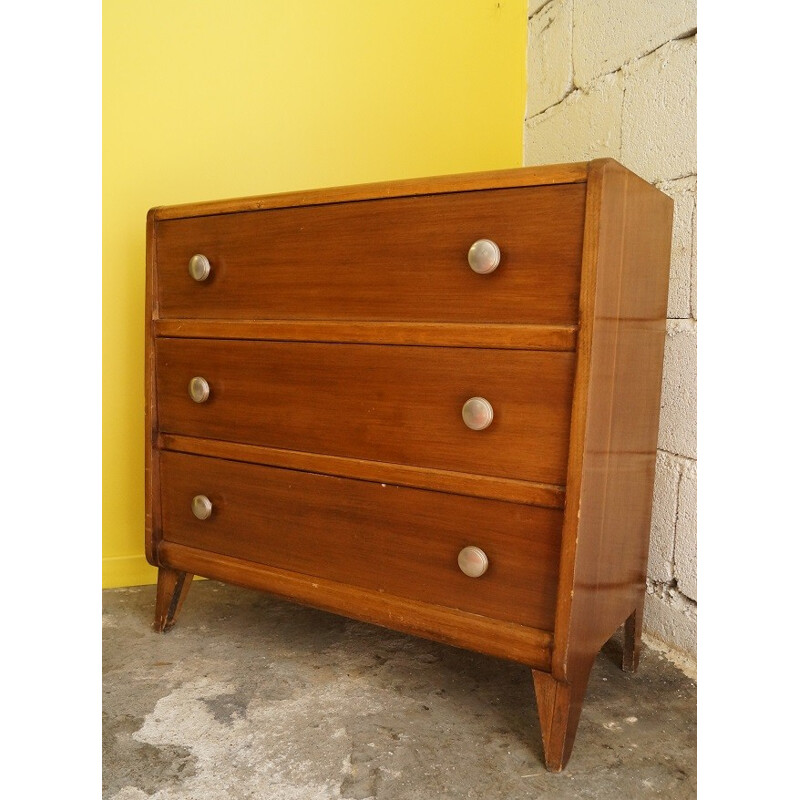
{"type": "Point", "coordinates": [549, 55]}
{"type": "Point", "coordinates": [665, 511]}
{"type": "Point", "coordinates": [693, 290]}
{"type": "Point", "coordinates": [678, 424]}
{"type": "Point", "coordinates": [610, 33]}
{"type": "Point", "coordinates": [671, 619]}
{"type": "Point", "coordinates": [684, 194]}
{"type": "Point", "coordinates": [686, 532]}
{"type": "Point", "coordinates": [585, 125]}
{"type": "Point", "coordinates": [659, 114]}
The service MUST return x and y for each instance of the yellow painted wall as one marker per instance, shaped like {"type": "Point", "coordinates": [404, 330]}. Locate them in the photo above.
{"type": "Point", "coordinates": [206, 99]}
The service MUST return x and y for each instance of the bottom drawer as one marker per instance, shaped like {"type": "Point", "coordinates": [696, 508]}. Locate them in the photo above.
{"type": "Point", "coordinates": [385, 538]}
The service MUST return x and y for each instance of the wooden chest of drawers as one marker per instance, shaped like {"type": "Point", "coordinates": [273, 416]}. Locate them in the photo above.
{"type": "Point", "coordinates": [429, 404]}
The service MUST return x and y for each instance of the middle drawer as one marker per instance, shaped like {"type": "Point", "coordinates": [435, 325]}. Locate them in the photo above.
{"type": "Point", "coordinates": [397, 404]}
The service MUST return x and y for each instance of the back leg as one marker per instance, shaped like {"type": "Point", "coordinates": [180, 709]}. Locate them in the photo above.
{"type": "Point", "coordinates": [633, 639]}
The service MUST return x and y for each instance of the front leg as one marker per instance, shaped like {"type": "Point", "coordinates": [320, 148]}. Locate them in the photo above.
{"type": "Point", "coordinates": [173, 586]}
{"type": "Point", "coordinates": [559, 705]}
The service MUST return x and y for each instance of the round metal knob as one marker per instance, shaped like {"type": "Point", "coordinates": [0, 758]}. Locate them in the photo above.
{"type": "Point", "coordinates": [199, 390]}
{"type": "Point", "coordinates": [484, 256]}
{"type": "Point", "coordinates": [472, 561]}
{"type": "Point", "coordinates": [199, 267]}
{"type": "Point", "coordinates": [477, 413]}
{"type": "Point", "coordinates": [201, 507]}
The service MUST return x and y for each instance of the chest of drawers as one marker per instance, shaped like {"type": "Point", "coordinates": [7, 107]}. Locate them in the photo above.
{"type": "Point", "coordinates": [427, 404]}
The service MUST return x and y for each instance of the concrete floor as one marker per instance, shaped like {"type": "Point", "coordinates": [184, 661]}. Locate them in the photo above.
{"type": "Point", "coordinates": [251, 697]}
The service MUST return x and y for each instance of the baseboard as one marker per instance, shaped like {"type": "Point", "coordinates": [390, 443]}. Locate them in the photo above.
{"type": "Point", "coordinates": [121, 571]}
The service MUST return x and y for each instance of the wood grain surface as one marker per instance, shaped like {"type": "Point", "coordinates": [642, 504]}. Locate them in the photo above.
{"type": "Point", "coordinates": [171, 591]}
{"type": "Point", "coordinates": [402, 259]}
{"type": "Point", "coordinates": [616, 410]}
{"type": "Point", "coordinates": [509, 489]}
{"type": "Point", "coordinates": [432, 334]}
{"type": "Point", "coordinates": [474, 631]}
{"type": "Point", "coordinates": [392, 404]}
{"type": "Point", "coordinates": [341, 331]}
{"type": "Point", "coordinates": [548, 175]}
{"type": "Point", "coordinates": [389, 539]}
{"type": "Point", "coordinates": [152, 511]}
{"type": "Point", "coordinates": [614, 429]}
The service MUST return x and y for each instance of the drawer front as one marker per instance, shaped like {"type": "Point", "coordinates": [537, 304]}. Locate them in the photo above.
{"type": "Point", "coordinates": [395, 404]}
{"type": "Point", "coordinates": [405, 542]}
{"type": "Point", "coordinates": [396, 259]}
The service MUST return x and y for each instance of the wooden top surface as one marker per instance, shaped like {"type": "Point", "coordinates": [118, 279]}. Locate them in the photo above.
{"type": "Point", "coordinates": [466, 182]}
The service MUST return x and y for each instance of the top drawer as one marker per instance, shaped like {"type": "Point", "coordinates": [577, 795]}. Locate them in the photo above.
{"type": "Point", "coordinates": [401, 259]}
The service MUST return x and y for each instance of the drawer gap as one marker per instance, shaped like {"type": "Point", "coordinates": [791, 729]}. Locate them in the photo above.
{"type": "Point", "coordinates": [433, 334]}
{"type": "Point", "coordinates": [512, 491]}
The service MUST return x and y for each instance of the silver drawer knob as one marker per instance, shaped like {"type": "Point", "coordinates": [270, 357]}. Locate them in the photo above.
{"type": "Point", "coordinates": [201, 507]}
{"type": "Point", "coordinates": [199, 390]}
{"type": "Point", "coordinates": [484, 256]}
{"type": "Point", "coordinates": [477, 413]}
{"type": "Point", "coordinates": [199, 267]}
{"type": "Point", "coordinates": [472, 561]}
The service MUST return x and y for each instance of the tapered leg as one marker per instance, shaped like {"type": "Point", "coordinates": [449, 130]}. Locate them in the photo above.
{"type": "Point", "coordinates": [173, 586]}
{"type": "Point", "coordinates": [559, 706]}
{"type": "Point", "coordinates": [633, 639]}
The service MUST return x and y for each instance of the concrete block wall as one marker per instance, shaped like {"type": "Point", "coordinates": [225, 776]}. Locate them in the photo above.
{"type": "Point", "coordinates": [618, 78]}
